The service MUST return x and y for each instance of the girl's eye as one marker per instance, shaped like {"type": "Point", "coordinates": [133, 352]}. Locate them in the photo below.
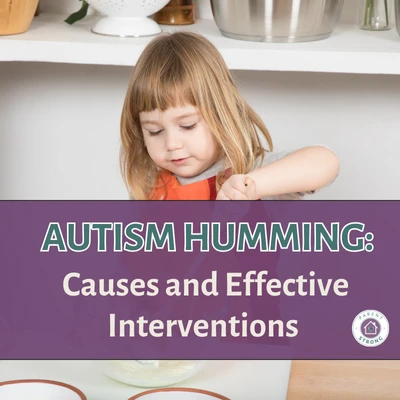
{"type": "Point", "coordinates": [155, 133]}
{"type": "Point", "coordinates": [189, 127]}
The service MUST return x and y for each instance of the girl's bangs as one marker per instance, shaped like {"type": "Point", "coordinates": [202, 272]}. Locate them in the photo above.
{"type": "Point", "coordinates": [163, 92]}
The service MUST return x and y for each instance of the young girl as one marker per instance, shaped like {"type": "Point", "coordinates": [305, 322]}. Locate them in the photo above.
{"type": "Point", "coordinates": [188, 134]}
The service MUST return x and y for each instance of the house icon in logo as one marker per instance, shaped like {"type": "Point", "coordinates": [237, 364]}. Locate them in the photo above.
{"type": "Point", "coordinates": [370, 328]}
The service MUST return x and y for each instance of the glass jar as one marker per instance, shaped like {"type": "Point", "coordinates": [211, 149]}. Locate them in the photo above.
{"type": "Point", "coordinates": [176, 12]}
{"type": "Point", "coordinates": [374, 15]}
{"type": "Point", "coordinates": [150, 373]}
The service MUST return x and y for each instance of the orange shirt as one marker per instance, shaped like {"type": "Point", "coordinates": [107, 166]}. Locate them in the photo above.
{"type": "Point", "coordinates": [201, 190]}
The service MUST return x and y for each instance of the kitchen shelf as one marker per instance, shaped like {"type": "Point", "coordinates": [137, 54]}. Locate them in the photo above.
{"type": "Point", "coordinates": [348, 50]}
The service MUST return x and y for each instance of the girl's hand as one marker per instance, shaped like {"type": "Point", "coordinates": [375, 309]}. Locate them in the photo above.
{"type": "Point", "coordinates": [238, 187]}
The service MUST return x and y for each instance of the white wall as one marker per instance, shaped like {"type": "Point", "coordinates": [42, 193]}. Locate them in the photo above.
{"type": "Point", "coordinates": [59, 127]}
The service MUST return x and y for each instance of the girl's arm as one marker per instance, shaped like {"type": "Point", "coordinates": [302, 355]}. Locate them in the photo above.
{"type": "Point", "coordinates": [304, 170]}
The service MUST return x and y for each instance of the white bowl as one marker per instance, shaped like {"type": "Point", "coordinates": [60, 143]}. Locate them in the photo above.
{"type": "Point", "coordinates": [39, 389]}
{"type": "Point", "coordinates": [127, 18]}
{"type": "Point", "coordinates": [178, 394]}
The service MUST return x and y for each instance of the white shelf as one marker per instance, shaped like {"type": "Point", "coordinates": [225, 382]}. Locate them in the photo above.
{"type": "Point", "coordinates": [348, 50]}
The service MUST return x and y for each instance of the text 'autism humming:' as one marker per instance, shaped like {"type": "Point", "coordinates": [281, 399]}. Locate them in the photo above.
{"type": "Point", "coordinates": [207, 236]}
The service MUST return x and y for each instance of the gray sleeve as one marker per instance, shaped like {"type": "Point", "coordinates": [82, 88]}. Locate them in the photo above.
{"type": "Point", "coordinates": [272, 156]}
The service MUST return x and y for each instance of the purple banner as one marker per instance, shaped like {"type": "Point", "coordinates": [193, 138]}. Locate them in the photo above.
{"type": "Point", "coordinates": [199, 280]}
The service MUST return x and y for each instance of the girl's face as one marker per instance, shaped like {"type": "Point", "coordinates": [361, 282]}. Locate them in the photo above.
{"type": "Point", "coordinates": [179, 140]}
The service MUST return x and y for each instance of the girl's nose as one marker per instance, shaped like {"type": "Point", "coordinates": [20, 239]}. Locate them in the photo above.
{"type": "Point", "coordinates": [173, 141]}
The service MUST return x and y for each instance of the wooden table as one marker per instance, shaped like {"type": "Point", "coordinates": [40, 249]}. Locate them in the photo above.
{"type": "Point", "coordinates": [345, 380]}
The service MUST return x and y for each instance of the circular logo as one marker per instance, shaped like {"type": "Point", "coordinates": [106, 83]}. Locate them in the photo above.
{"type": "Point", "coordinates": [370, 328]}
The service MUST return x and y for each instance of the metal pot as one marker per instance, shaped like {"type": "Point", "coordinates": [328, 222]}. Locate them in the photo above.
{"type": "Point", "coordinates": [397, 11]}
{"type": "Point", "coordinates": [276, 20]}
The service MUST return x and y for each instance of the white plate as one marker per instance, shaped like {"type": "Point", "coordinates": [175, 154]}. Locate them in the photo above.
{"type": "Point", "coordinates": [178, 394]}
{"type": "Point", "coordinates": [38, 389]}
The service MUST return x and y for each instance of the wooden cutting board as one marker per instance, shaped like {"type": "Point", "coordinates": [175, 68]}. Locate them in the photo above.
{"type": "Point", "coordinates": [345, 380]}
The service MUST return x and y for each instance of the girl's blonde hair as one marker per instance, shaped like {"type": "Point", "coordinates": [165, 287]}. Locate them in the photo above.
{"type": "Point", "coordinates": [180, 69]}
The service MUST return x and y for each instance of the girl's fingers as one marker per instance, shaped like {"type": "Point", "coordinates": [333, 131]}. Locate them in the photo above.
{"type": "Point", "coordinates": [251, 191]}
{"type": "Point", "coordinates": [231, 194]}
{"type": "Point", "coordinates": [239, 183]}
{"type": "Point", "coordinates": [248, 181]}
{"type": "Point", "coordinates": [236, 195]}
{"type": "Point", "coordinates": [238, 187]}
{"type": "Point", "coordinates": [221, 196]}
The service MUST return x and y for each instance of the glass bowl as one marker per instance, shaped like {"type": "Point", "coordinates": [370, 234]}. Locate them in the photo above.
{"type": "Point", "coordinates": [150, 373]}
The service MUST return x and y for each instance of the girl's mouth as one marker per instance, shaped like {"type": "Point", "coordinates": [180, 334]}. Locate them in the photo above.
{"type": "Point", "coordinates": [180, 161]}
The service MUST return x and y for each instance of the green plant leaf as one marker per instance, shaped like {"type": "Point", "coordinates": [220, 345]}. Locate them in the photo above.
{"type": "Point", "coordinates": [77, 16]}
